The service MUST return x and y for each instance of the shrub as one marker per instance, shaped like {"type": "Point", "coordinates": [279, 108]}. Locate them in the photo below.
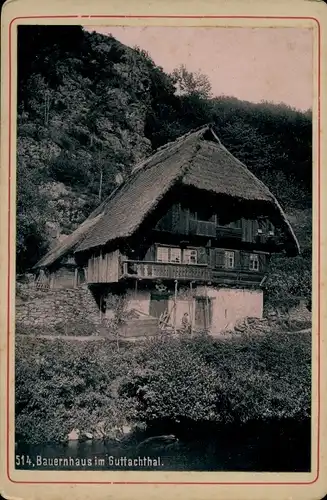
{"type": "Point", "coordinates": [172, 382]}
{"type": "Point", "coordinates": [241, 379]}
{"type": "Point", "coordinates": [265, 376]}
{"type": "Point", "coordinates": [61, 385]}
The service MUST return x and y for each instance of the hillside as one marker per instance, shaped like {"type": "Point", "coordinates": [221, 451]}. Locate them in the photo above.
{"type": "Point", "coordinates": [90, 107]}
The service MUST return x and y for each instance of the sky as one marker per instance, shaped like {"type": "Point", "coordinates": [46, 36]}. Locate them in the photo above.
{"type": "Point", "coordinates": [253, 64]}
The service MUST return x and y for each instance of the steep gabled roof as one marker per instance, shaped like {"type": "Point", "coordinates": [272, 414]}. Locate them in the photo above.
{"type": "Point", "coordinates": [192, 160]}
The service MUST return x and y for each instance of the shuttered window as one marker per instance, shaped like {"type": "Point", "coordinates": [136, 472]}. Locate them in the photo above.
{"type": "Point", "coordinates": [162, 254]}
{"type": "Point", "coordinates": [219, 258]}
{"type": "Point", "coordinates": [175, 255]}
{"type": "Point", "coordinates": [254, 262]}
{"type": "Point", "coordinates": [166, 254]}
{"type": "Point", "coordinates": [190, 256]}
{"type": "Point", "coordinates": [229, 260]}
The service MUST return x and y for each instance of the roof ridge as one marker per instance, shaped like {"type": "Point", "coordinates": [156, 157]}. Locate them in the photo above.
{"type": "Point", "coordinates": [165, 147]}
{"type": "Point", "coordinates": [101, 208]}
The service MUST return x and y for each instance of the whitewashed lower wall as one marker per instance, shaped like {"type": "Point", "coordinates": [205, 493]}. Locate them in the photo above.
{"type": "Point", "coordinates": [138, 300]}
{"type": "Point", "coordinates": [228, 306]}
{"type": "Point", "coordinates": [232, 305]}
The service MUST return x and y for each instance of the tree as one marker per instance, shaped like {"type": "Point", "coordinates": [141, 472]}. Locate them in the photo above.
{"type": "Point", "coordinates": [188, 83]}
{"type": "Point", "coordinates": [32, 209]}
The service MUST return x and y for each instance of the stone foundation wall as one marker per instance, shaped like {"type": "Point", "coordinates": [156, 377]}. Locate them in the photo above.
{"type": "Point", "coordinates": [72, 309]}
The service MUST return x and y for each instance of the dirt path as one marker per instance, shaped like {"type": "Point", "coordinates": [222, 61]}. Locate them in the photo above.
{"type": "Point", "coordinates": [64, 337]}
{"type": "Point", "coordinates": [92, 338]}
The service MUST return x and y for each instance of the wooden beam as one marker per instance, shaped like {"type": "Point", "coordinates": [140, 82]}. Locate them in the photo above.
{"type": "Point", "coordinates": [175, 304]}
{"type": "Point", "coordinates": [192, 308]}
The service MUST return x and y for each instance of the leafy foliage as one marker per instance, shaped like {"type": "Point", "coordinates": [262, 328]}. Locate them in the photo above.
{"type": "Point", "coordinates": [58, 389]}
{"type": "Point", "coordinates": [224, 381]}
{"type": "Point", "coordinates": [188, 83]}
{"type": "Point", "coordinates": [291, 279]}
{"type": "Point", "coordinates": [195, 380]}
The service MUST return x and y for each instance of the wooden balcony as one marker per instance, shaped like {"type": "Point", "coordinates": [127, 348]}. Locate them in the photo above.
{"type": "Point", "coordinates": [111, 268]}
{"type": "Point", "coordinates": [211, 230]}
{"type": "Point", "coordinates": [237, 276]}
{"type": "Point", "coordinates": [164, 270]}
{"type": "Point", "coordinates": [202, 228]}
{"type": "Point", "coordinates": [229, 232]}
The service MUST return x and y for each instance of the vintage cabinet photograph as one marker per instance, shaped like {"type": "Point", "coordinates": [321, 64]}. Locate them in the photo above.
{"type": "Point", "coordinates": [163, 250]}
{"type": "Point", "coordinates": [164, 291]}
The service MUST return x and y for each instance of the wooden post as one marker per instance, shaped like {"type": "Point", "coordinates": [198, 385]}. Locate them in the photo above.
{"type": "Point", "coordinates": [101, 301]}
{"type": "Point", "coordinates": [175, 304]}
{"type": "Point", "coordinates": [75, 278]}
{"type": "Point", "coordinates": [135, 290]}
{"type": "Point", "coordinates": [206, 315]}
{"type": "Point", "coordinates": [100, 267]}
{"type": "Point", "coordinates": [191, 308]}
{"type": "Point", "coordinates": [51, 281]}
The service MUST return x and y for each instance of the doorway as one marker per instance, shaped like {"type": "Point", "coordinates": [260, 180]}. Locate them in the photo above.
{"type": "Point", "coordinates": [158, 304]}
{"type": "Point", "coordinates": [203, 313]}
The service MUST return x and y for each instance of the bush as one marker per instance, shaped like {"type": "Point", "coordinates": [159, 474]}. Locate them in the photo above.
{"type": "Point", "coordinates": [62, 385]}
{"type": "Point", "coordinates": [265, 376]}
{"type": "Point", "coordinates": [171, 381]}
{"type": "Point", "coordinates": [252, 378]}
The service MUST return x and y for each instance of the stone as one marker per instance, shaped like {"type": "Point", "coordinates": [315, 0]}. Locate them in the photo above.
{"type": "Point", "coordinates": [74, 435]}
{"type": "Point", "coordinates": [126, 429]}
{"type": "Point", "coordinates": [87, 435]}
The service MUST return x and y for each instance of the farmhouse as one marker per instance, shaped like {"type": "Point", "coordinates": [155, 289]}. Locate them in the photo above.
{"type": "Point", "coordinates": [185, 240]}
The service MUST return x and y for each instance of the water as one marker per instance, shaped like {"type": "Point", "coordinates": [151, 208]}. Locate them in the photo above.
{"type": "Point", "coordinates": [264, 448]}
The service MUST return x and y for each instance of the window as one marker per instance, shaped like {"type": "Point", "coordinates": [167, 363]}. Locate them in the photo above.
{"type": "Point", "coordinates": [254, 262]}
{"type": "Point", "coordinates": [166, 254]}
{"type": "Point", "coordinates": [162, 254]}
{"type": "Point", "coordinates": [190, 256]}
{"type": "Point", "coordinates": [175, 255]}
{"type": "Point", "coordinates": [229, 260]}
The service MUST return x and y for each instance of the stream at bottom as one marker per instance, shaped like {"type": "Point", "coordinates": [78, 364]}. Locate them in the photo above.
{"type": "Point", "coordinates": [264, 448]}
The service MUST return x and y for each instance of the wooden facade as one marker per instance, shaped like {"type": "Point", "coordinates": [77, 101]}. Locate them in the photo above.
{"type": "Point", "coordinates": [104, 268]}
{"type": "Point", "coordinates": [184, 221]}
{"type": "Point", "coordinates": [182, 246]}
{"type": "Point", "coordinates": [212, 265]}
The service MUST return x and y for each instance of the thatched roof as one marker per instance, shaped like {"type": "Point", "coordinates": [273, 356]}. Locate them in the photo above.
{"type": "Point", "coordinates": [196, 159]}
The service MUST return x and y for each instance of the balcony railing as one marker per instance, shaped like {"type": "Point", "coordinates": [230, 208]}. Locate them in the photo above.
{"type": "Point", "coordinates": [210, 229]}
{"type": "Point", "coordinates": [202, 228]}
{"type": "Point", "coordinates": [242, 276]}
{"type": "Point", "coordinates": [228, 232]}
{"type": "Point", "coordinates": [164, 270]}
